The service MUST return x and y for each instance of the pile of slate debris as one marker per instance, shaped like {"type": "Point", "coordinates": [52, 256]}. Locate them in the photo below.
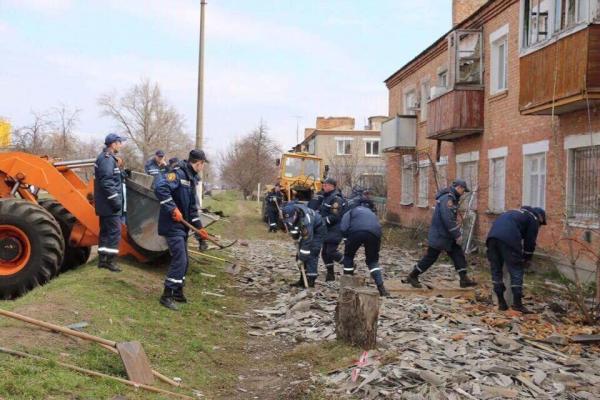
{"type": "Point", "coordinates": [428, 348]}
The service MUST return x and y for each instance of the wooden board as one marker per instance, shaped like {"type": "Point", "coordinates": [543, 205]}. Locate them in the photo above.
{"type": "Point", "coordinates": [397, 288]}
{"type": "Point", "coordinates": [136, 362]}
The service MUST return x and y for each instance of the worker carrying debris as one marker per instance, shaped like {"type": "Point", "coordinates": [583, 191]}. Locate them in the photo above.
{"type": "Point", "coordinates": [307, 227]}
{"type": "Point", "coordinates": [176, 192]}
{"type": "Point", "coordinates": [361, 227]}
{"type": "Point", "coordinates": [511, 242]}
{"type": "Point", "coordinates": [156, 165]}
{"type": "Point", "coordinates": [331, 210]}
{"type": "Point", "coordinates": [109, 201]}
{"type": "Point", "coordinates": [444, 235]}
{"type": "Point", "coordinates": [360, 197]}
{"type": "Point", "coordinates": [274, 201]}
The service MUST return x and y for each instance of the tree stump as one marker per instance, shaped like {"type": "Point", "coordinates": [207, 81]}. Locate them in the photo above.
{"type": "Point", "coordinates": [356, 316]}
{"type": "Point", "coordinates": [352, 281]}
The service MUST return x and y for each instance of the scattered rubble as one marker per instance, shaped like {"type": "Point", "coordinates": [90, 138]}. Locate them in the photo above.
{"type": "Point", "coordinates": [428, 348]}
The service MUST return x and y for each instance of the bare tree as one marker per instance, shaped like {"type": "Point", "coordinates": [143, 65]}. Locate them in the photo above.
{"type": "Point", "coordinates": [33, 138]}
{"type": "Point", "coordinates": [62, 141]}
{"type": "Point", "coordinates": [148, 120]}
{"type": "Point", "coordinates": [250, 160]}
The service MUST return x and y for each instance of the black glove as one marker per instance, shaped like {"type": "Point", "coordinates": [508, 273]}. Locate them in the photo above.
{"type": "Point", "coordinates": [115, 204]}
{"type": "Point", "coordinates": [127, 172]}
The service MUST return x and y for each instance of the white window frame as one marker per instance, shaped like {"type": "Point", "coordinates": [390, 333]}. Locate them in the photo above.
{"type": "Point", "coordinates": [412, 91]}
{"type": "Point", "coordinates": [425, 97]}
{"type": "Point", "coordinates": [407, 197]}
{"type": "Point", "coordinates": [539, 150]}
{"type": "Point", "coordinates": [338, 140]}
{"type": "Point", "coordinates": [442, 73]}
{"type": "Point", "coordinates": [465, 158]}
{"type": "Point", "coordinates": [423, 194]}
{"type": "Point", "coordinates": [371, 141]}
{"type": "Point", "coordinates": [571, 143]}
{"type": "Point", "coordinates": [500, 153]}
{"type": "Point", "coordinates": [499, 81]}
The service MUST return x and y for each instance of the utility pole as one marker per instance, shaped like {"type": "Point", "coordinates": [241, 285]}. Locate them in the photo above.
{"type": "Point", "coordinates": [298, 118]}
{"type": "Point", "coordinates": [200, 104]}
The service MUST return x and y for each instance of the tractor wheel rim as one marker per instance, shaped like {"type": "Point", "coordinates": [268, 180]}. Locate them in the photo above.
{"type": "Point", "coordinates": [15, 250]}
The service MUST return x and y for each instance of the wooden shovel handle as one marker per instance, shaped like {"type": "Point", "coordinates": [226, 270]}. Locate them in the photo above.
{"type": "Point", "coordinates": [196, 230]}
{"type": "Point", "coordinates": [58, 328]}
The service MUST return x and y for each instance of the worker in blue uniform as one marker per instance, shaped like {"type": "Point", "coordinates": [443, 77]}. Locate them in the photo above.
{"type": "Point", "coordinates": [444, 235]}
{"type": "Point", "coordinates": [307, 227]}
{"type": "Point", "coordinates": [109, 201]}
{"type": "Point", "coordinates": [274, 200]}
{"type": "Point", "coordinates": [511, 242]}
{"type": "Point", "coordinates": [156, 165]}
{"type": "Point", "coordinates": [173, 164]}
{"type": "Point", "coordinates": [361, 227]}
{"type": "Point", "coordinates": [331, 210]}
{"type": "Point", "coordinates": [176, 191]}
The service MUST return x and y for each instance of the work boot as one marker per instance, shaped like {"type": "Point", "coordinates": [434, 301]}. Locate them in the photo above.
{"type": "Point", "coordinates": [330, 274]}
{"type": "Point", "coordinates": [178, 296]}
{"type": "Point", "coordinates": [167, 299]}
{"type": "Point", "coordinates": [101, 260]}
{"type": "Point", "coordinates": [202, 245]}
{"type": "Point", "coordinates": [502, 306]}
{"type": "Point", "coordinates": [382, 291]}
{"type": "Point", "coordinates": [518, 306]}
{"type": "Point", "coordinates": [311, 281]}
{"type": "Point", "coordinates": [110, 264]}
{"type": "Point", "coordinates": [465, 282]}
{"type": "Point", "coordinates": [413, 279]}
{"type": "Point", "coordinates": [299, 284]}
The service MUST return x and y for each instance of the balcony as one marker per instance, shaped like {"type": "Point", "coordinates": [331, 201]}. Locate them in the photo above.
{"type": "Point", "coordinates": [399, 132]}
{"type": "Point", "coordinates": [456, 113]}
{"type": "Point", "coordinates": [574, 61]}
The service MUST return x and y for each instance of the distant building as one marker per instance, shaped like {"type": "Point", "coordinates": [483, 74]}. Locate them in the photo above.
{"type": "Point", "coordinates": [354, 156]}
{"type": "Point", "coordinates": [507, 100]}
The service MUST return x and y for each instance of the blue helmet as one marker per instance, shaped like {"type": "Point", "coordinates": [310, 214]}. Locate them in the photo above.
{"type": "Point", "coordinates": [289, 214]}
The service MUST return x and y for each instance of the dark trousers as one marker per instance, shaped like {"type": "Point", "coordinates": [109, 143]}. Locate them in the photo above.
{"type": "Point", "coordinates": [179, 262]}
{"type": "Point", "coordinates": [272, 217]}
{"type": "Point", "coordinates": [455, 253]}
{"type": "Point", "coordinates": [372, 244]}
{"type": "Point", "coordinates": [330, 254]}
{"type": "Point", "coordinates": [110, 235]}
{"type": "Point", "coordinates": [500, 254]}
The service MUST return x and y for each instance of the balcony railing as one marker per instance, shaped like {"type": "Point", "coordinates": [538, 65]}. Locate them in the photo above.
{"type": "Point", "coordinates": [456, 113]}
{"type": "Point", "coordinates": [563, 76]}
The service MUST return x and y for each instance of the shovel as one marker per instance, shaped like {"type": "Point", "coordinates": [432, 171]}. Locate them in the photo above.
{"type": "Point", "coordinates": [210, 239]}
{"type": "Point", "coordinates": [132, 354]}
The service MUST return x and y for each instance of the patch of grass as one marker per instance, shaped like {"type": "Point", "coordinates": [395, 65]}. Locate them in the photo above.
{"type": "Point", "coordinates": [122, 307]}
{"type": "Point", "coordinates": [325, 356]}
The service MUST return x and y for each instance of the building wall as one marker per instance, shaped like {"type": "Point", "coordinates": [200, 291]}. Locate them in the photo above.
{"type": "Point", "coordinates": [503, 126]}
{"type": "Point", "coordinates": [326, 148]}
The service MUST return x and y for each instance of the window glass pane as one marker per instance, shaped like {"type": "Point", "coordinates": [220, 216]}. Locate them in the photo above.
{"type": "Point", "coordinates": [347, 147]}
{"type": "Point", "coordinates": [311, 168]}
{"type": "Point", "coordinates": [293, 167]}
{"type": "Point", "coordinates": [376, 148]}
{"type": "Point", "coordinates": [571, 9]}
{"type": "Point", "coordinates": [501, 65]}
{"type": "Point", "coordinates": [469, 57]}
{"type": "Point", "coordinates": [582, 10]}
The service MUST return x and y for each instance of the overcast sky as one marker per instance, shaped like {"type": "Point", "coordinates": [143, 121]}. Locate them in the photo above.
{"type": "Point", "coordinates": [269, 59]}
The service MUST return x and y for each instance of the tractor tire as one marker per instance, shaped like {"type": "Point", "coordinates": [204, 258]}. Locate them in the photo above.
{"type": "Point", "coordinates": [74, 256]}
{"type": "Point", "coordinates": [31, 247]}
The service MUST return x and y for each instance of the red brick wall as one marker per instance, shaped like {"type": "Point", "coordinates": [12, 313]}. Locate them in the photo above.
{"type": "Point", "coordinates": [503, 126]}
{"type": "Point", "coordinates": [461, 9]}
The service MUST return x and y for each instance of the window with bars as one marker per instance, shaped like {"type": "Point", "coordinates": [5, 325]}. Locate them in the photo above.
{"type": "Point", "coordinates": [497, 186]}
{"type": "Point", "coordinates": [584, 184]}
{"type": "Point", "coordinates": [534, 180]}
{"type": "Point", "coordinates": [408, 182]}
{"type": "Point", "coordinates": [467, 171]}
{"type": "Point", "coordinates": [422, 200]}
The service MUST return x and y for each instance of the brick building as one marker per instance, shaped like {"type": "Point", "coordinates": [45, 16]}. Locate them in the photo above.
{"type": "Point", "coordinates": [353, 155]}
{"type": "Point", "coordinates": [509, 101]}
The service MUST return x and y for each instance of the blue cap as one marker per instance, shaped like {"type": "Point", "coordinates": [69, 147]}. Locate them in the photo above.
{"type": "Point", "coordinates": [173, 160]}
{"type": "Point", "coordinates": [197, 155]}
{"type": "Point", "coordinates": [159, 153]}
{"type": "Point", "coordinates": [113, 137]}
{"type": "Point", "coordinates": [289, 213]}
{"type": "Point", "coordinates": [541, 214]}
{"type": "Point", "coordinates": [330, 181]}
{"type": "Point", "coordinates": [461, 182]}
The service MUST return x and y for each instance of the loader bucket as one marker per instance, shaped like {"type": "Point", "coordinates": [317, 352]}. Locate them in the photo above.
{"type": "Point", "coordinates": [142, 216]}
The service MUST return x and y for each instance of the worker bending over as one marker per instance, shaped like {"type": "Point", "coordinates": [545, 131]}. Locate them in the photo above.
{"type": "Point", "coordinates": [511, 242]}
{"type": "Point", "coordinates": [307, 227]}
{"type": "Point", "coordinates": [176, 192]}
{"type": "Point", "coordinates": [109, 201]}
{"type": "Point", "coordinates": [444, 234]}
{"type": "Point", "coordinates": [274, 200]}
{"type": "Point", "coordinates": [361, 227]}
{"type": "Point", "coordinates": [157, 164]}
{"type": "Point", "coordinates": [331, 210]}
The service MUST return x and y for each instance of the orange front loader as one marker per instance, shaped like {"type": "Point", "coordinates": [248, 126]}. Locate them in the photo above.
{"type": "Point", "coordinates": [39, 237]}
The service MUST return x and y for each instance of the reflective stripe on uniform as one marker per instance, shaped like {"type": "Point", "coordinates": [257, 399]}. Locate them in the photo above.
{"type": "Point", "coordinates": [461, 270]}
{"type": "Point", "coordinates": [327, 219]}
{"type": "Point", "coordinates": [312, 274]}
{"type": "Point", "coordinates": [112, 196]}
{"type": "Point", "coordinates": [329, 265]}
{"type": "Point", "coordinates": [455, 228]}
{"type": "Point", "coordinates": [108, 250]}
{"type": "Point", "coordinates": [348, 269]}
{"type": "Point", "coordinates": [272, 224]}
{"type": "Point", "coordinates": [196, 219]}
{"type": "Point", "coordinates": [375, 269]}
{"type": "Point", "coordinates": [418, 269]}
{"type": "Point", "coordinates": [305, 251]}
{"type": "Point", "coordinates": [175, 280]}
{"type": "Point", "coordinates": [167, 200]}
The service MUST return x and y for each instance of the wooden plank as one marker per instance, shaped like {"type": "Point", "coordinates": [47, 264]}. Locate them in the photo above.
{"type": "Point", "coordinates": [136, 362]}
{"type": "Point", "coordinates": [396, 287]}
{"type": "Point", "coordinates": [586, 339]}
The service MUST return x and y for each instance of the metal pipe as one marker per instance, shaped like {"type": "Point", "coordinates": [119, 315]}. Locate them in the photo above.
{"type": "Point", "coordinates": [74, 162]}
{"type": "Point", "coordinates": [76, 165]}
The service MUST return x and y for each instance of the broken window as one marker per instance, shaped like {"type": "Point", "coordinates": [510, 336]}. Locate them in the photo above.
{"type": "Point", "coordinates": [584, 184]}
{"type": "Point", "coordinates": [443, 78]}
{"type": "Point", "coordinates": [410, 102]}
{"type": "Point", "coordinates": [422, 200]}
{"type": "Point", "coordinates": [344, 146]}
{"type": "Point", "coordinates": [468, 66]}
{"type": "Point", "coordinates": [534, 180]}
{"type": "Point", "coordinates": [425, 97]}
{"type": "Point", "coordinates": [497, 184]}
{"type": "Point", "coordinates": [467, 171]}
{"type": "Point", "coordinates": [542, 18]}
{"type": "Point", "coordinates": [408, 181]}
